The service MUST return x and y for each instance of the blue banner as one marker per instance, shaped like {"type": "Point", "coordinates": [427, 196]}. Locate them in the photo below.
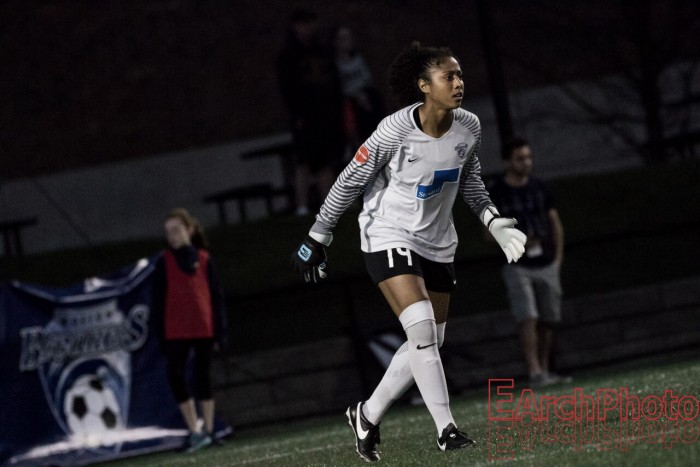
{"type": "Point", "coordinates": [82, 378]}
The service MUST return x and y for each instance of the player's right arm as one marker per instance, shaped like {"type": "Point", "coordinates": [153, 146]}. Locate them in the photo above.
{"type": "Point", "coordinates": [310, 258]}
{"type": "Point", "coordinates": [368, 161]}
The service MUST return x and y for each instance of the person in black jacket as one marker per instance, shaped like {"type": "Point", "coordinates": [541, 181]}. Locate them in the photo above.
{"type": "Point", "coordinates": [311, 90]}
{"type": "Point", "coordinates": [189, 302]}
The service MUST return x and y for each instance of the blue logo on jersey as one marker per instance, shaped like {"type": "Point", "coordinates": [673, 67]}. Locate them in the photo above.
{"type": "Point", "coordinates": [440, 177]}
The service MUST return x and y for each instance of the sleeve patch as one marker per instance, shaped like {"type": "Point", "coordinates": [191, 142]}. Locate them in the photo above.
{"type": "Point", "coordinates": [362, 155]}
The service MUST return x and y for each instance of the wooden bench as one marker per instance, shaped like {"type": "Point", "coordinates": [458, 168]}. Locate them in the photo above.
{"type": "Point", "coordinates": [11, 235]}
{"type": "Point", "coordinates": [241, 195]}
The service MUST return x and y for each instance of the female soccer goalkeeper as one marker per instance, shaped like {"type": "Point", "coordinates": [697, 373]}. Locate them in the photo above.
{"type": "Point", "coordinates": [410, 170]}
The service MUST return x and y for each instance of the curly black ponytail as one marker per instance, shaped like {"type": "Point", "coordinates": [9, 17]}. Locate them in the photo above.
{"type": "Point", "coordinates": [412, 64]}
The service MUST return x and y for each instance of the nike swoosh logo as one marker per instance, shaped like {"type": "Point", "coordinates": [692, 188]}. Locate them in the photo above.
{"type": "Point", "coordinates": [362, 434]}
{"type": "Point", "coordinates": [421, 347]}
{"type": "Point", "coordinates": [413, 159]}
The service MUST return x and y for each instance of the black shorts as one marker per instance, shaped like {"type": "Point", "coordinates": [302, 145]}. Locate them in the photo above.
{"type": "Point", "coordinates": [382, 265]}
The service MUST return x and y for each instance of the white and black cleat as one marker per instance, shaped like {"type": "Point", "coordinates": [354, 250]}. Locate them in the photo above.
{"type": "Point", "coordinates": [366, 434]}
{"type": "Point", "coordinates": [452, 438]}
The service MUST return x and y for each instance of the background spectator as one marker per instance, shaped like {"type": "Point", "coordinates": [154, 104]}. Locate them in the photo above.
{"type": "Point", "coordinates": [534, 286]}
{"type": "Point", "coordinates": [311, 90]}
{"type": "Point", "coordinates": [363, 106]}
{"type": "Point", "coordinates": [188, 300]}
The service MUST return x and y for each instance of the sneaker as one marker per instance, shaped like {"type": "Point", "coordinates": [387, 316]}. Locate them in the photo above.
{"type": "Point", "coordinates": [198, 441]}
{"type": "Point", "coordinates": [541, 380]}
{"type": "Point", "coordinates": [548, 379]}
{"type": "Point", "coordinates": [452, 438]}
{"type": "Point", "coordinates": [366, 434]}
{"type": "Point", "coordinates": [557, 378]}
{"type": "Point", "coordinates": [215, 440]}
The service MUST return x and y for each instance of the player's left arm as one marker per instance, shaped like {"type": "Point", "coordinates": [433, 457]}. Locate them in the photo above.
{"type": "Point", "coordinates": [473, 191]}
{"type": "Point", "coordinates": [557, 235]}
{"type": "Point", "coordinates": [471, 186]}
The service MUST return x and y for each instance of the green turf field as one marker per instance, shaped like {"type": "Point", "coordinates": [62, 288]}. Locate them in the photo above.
{"type": "Point", "coordinates": [408, 434]}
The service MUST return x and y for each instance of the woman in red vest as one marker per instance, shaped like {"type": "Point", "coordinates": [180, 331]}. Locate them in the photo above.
{"type": "Point", "coordinates": [189, 300]}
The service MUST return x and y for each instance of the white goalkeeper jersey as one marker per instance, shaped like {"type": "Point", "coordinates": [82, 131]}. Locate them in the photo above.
{"type": "Point", "coordinates": [410, 181]}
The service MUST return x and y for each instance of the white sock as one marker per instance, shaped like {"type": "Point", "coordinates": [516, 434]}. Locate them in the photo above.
{"type": "Point", "coordinates": [441, 333]}
{"type": "Point", "coordinates": [418, 321]}
{"type": "Point", "coordinates": [396, 381]}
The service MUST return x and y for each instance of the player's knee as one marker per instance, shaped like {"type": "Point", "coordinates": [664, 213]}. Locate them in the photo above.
{"type": "Point", "coordinates": [417, 313]}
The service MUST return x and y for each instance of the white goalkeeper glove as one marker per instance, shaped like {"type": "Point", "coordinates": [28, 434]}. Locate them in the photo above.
{"type": "Point", "coordinates": [511, 240]}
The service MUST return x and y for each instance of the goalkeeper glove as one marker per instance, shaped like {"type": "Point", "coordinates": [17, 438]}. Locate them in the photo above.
{"type": "Point", "coordinates": [309, 259]}
{"type": "Point", "coordinates": [511, 240]}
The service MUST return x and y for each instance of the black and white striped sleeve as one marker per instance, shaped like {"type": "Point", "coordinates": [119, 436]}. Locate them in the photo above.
{"type": "Point", "coordinates": [362, 170]}
{"type": "Point", "coordinates": [471, 185]}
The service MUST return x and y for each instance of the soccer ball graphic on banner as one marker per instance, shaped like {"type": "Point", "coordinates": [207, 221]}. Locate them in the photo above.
{"type": "Point", "coordinates": [92, 411]}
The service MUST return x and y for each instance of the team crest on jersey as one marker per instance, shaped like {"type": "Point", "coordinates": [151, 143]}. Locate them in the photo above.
{"type": "Point", "coordinates": [362, 155]}
{"type": "Point", "coordinates": [461, 149]}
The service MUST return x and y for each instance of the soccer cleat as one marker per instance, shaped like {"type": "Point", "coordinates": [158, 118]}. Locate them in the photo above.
{"type": "Point", "coordinates": [198, 441]}
{"type": "Point", "coordinates": [366, 434]}
{"type": "Point", "coordinates": [452, 438]}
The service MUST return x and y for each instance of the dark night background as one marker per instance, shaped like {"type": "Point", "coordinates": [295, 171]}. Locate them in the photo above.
{"type": "Point", "coordinates": [89, 82]}
{"type": "Point", "coordinates": [114, 111]}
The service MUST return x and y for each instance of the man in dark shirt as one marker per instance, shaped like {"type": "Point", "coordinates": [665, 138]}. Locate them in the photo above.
{"type": "Point", "coordinates": [533, 284]}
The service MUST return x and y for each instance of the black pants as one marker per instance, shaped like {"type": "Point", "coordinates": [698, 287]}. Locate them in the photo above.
{"type": "Point", "coordinates": [177, 353]}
